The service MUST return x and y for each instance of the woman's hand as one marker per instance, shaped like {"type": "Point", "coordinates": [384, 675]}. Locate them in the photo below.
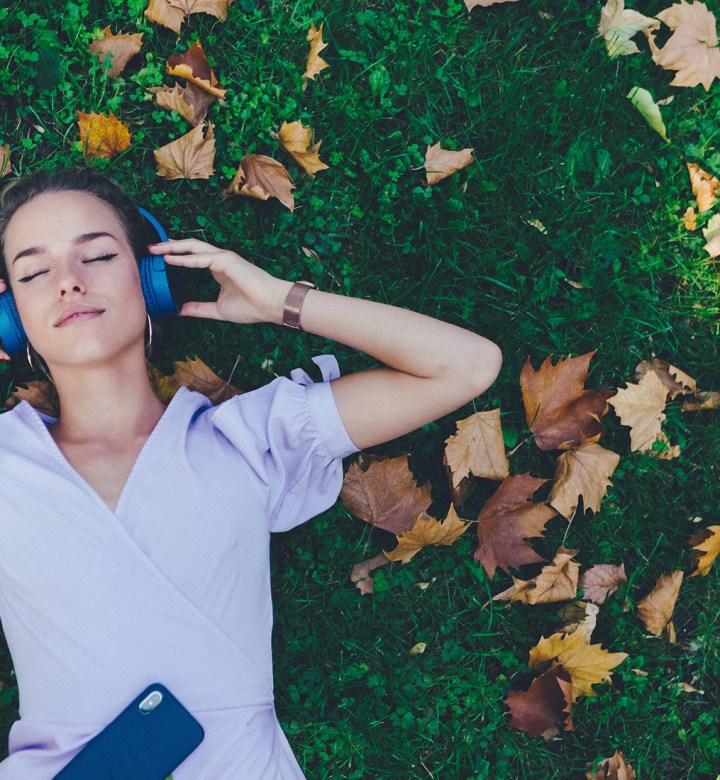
{"type": "Point", "coordinates": [247, 293]}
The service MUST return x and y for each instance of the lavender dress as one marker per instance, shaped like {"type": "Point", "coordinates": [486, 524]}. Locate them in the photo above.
{"type": "Point", "coordinates": [171, 587]}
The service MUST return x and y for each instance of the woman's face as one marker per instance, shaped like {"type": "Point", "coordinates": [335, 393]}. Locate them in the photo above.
{"type": "Point", "coordinates": [75, 279]}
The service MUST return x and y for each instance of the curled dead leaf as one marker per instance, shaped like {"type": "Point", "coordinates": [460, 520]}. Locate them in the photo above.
{"type": "Point", "coordinates": [585, 472]}
{"type": "Point", "coordinates": [4, 160]}
{"type": "Point", "coordinates": [470, 4]}
{"type": "Point", "coordinates": [705, 548]}
{"type": "Point", "coordinates": [690, 219]}
{"type": "Point", "coordinates": [656, 609]}
{"type": "Point", "coordinates": [40, 394]}
{"type": "Point", "coordinates": [676, 382]}
{"type": "Point", "coordinates": [704, 186]}
{"type": "Point", "coordinates": [712, 236]}
{"type": "Point", "coordinates": [619, 25]}
{"type": "Point", "coordinates": [102, 136]}
{"type": "Point", "coordinates": [441, 163]}
{"type": "Point", "coordinates": [315, 63]}
{"type": "Point", "coordinates": [193, 66]}
{"type": "Point", "coordinates": [640, 406]}
{"type": "Point", "coordinates": [261, 177]}
{"type": "Point", "coordinates": [545, 707]}
{"type": "Point", "coordinates": [189, 157]}
{"type": "Point", "coordinates": [613, 768]}
{"type": "Point", "coordinates": [172, 13]}
{"type": "Point", "coordinates": [115, 50]}
{"type": "Point", "coordinates": [477, 448]}
{"type": "Point", "coordinates": [298, 142]}
{"type": "Point", "coordinates": [361, 572]}
{"type": "Point", "coordinates": [601, 581]}
{"type": "Point", "coordinates": [556, 582]}
{"type": "Point", "coordinates": [428, 531]}
{"type": "Point", "coordinates": [189, 101]}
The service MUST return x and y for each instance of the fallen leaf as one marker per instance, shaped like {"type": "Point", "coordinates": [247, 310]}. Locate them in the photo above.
{"type": "Point", "coordinates": [315, 63]}
{"type": "Point", "coordinates": [262, 177]}
{"type": "Point", "coordinates": [556, 582]}
{"type": "Point", "coordinates": [701, 401]}
{"type": "Point", "coordinates": [601, 581]}
{"type": "Point", "coordinates": [506, 520]}
{"type": "Point", "coordinates": [705, 549]}
{"type": "Point", "coordinates": [172, 13]}
{"type": "Point", "coordinates": [692, 48]}
{"type": "Point", "coordinates": [712, 236]}
{"type": "Point", "coordinates": [545, 707]}
{"type": "Point", "coordinates": [189, 157]}
{"type": "Point", "coordinates": [640, 407]}
{"type": "Point", "coordinates": [613, 768]}
{"type": "Point", "coordinates": [560, 413]}
{"type": "Point", "coordinates": [477, 448]}
{"type": "Point", "coordinates": [298, 143]}
{"type": "Point", "coordinates": [470, 4]}
{"type": "Point", "coordinates": [586, 664]}
{"type": "Point", "coordinates": [585, 622]}
{"type": "Point", "coordinates": [195, 375]}
{"type": "Point", "coordinates": [618, 26]}
{"type": "Point", "coordinates": [441, 163]}
{"type": "Point", "coordinates": [656, 609]}
{"type": "Point", "coordinates": [189, 101]}
{"type": "Point", "coordinates": [460, 491]}
{"type": "Point", "coordinates": [704, 186]}
{"type": "Point", "coordinates": [102, 136]}
{"type": "Point", "coordinates": [676, 382]}
{"type": "Point", "coordinates": [385, 494]}
{"type": "Point", "coordinates": [428, 531]}
{"type": "Point", "coordinates": [643, 101]}
{"type": "Point", "coordinates": [40, 394]}
{"type": "Point", "coordinates": [690, 219]}
{"type": "Point", "coordinates": [663, 450]}
{"type": "Point", "coordinates": [361, 572]}
{"type": "Point", "coordinates": [418, 648]}
{"type": "Point", "coordinates": [193, 66]}
{"type": "Point", "coordinates": [115, 50]}
{"type": "Point", "coordinates": [4, 160]}
{"type": "Point", "coordinates": [584, 472]}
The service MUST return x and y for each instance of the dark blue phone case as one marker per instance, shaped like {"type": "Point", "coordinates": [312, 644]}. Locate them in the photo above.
{"type": "Point", "coordinates": [139, 745]}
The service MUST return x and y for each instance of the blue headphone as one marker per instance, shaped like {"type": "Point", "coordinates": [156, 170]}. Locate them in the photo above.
{"type": "Point", "coordinates": [159, 286]}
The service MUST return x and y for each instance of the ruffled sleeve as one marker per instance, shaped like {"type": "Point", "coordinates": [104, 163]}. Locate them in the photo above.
{"type": "Point", "coordinates": [290, 434]}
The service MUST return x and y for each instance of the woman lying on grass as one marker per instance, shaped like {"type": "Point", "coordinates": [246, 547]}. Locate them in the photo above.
{"type": "Point", "coordinates": [133, 536]}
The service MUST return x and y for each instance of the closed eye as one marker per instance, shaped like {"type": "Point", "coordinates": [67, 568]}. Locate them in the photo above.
{"type": "Point", "coordinates": [30, 277]}
{"type": "Point", "coordinates": [101, 258]}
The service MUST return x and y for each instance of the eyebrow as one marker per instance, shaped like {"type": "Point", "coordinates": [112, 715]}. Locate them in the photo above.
{"type": "Point", "coordinates": [82, 239]}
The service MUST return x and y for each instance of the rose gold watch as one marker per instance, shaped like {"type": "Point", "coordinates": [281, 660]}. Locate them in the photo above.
{"type": "Point", "coordinates": [293, 304]}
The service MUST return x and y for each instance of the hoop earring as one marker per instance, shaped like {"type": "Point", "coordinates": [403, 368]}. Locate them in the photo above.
{"type": "Point", "coordinates": [43, 368]}
{"type": "Point", "coordinates": [148, 343]}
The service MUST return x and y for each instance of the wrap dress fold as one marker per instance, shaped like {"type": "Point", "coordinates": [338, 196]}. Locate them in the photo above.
{"type": "Point", "coordinates": [171, 587]}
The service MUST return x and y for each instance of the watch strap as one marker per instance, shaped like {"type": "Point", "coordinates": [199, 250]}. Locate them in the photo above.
{"type": "Point", "coordinates": [293, 304]}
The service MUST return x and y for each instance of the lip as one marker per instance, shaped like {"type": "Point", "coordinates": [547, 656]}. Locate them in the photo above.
{"type": "Point", "coordinates": [77, 313]}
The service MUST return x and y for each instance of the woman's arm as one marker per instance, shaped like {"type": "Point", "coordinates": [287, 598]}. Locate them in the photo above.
{"type": "Point", "coordinates": [431, 369]}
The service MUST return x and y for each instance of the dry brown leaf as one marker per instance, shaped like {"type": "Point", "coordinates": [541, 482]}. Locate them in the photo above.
{"type": "Point", "coordinates": [477, 448]}
{"type": "Point", "coordinates": [189, 157]}
{"type": "Point", "coordinates": [361, 572]}
{"type": "Point", "coordinates": [195, 375]}
{"type": "Point", "coordinates": [712, 236]}
{"type": "Point", "coordinates": [40, 394]}
{"type": "Point", "coordinates": [705, 548]}
{"type": "Point", "coordinates": [261, 177]}
{"type": "Point", "coordinates": [618, 25]}
{"type": "Point", "coordinates": [704, 186]}
{"type": "Point", "coordinates": [193, 66]}
{"type": "Point", "coordinates": [428, 531]}
{"type": "Point", "coordinates": [560, 412]}
{"type": "Point", "coordinates": [690, 219]}
{"type": "Point", "coordinates": [656, 609]}
{"type": "Point", "coordinates": [172, 13]}
{"type": "Point", "coordinates": [702, 400]}
{"type": "Point", "coordinates": [116, 49]}
{"type": "Point", "coordinates": [189, 101]}
{"type": "Point", "coordinates": [544, 707]}
{"type": "Point", "coordinates": [556, 582]}
{"type": "Point", "coordinates": [384, 493]}
{"type": "Point", "coordinates": [692, 48]}
{"type": "Point", "coordinates": [102, 136]}
{"type": "Point", "coordinates": [584, 617]}
{"type": "Point", "coordinates": [470, 4]}
{"type": "Point", "coordinates": [676, 382]}
{"type": "Point", "coordinates": [601, 581]}
{"type": "Point", "coordinates": [586, 664]}
{"type": "Point", "coordinates": [298, 142]}
{"type": "Point", "coordinates": [613, 768]}
{"type": "Point", "coordinates": [4, 160]}
{"type": "Point", "coordinates": [441, 163]}
{"type": "Point", "coordinates": [640, 407]}
{"type": "Point", "coordinates": [663, 450]}
{"type": "Point", "coordinates": [315, 63]}
{"type": "Point", "coordinates": [507, 520]}
{"type": "Point", "coordinates": [584, 472]}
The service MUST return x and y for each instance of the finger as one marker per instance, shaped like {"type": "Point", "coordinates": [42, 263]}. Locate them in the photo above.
{"type": "Point", "coordinates": [3, 286]}
{"type": "Point", "coordinates": [4, 355]}
{"type": "Point", "coordinates": [206, 309]}
{"type": "Point", "coordinates": [182, 246]}
{"type": "Point", "coordinates": [192, 261]}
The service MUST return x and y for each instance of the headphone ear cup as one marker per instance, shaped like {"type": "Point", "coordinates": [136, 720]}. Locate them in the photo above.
{"type": "Point", "coordinates": [12, 333]}
{"type": "Point", "coordinates": [159, 286]}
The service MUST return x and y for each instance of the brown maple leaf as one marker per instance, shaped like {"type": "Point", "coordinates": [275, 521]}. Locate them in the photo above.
{"type": "Point", "coordinates": [507, 520]}
{"type": "Point", "coordinates": [560, 413]}
{"type": "Point", "coordinates": [115, 51]}
{"type": "Point", "coordinates": [705, 548]}
{"type": "Point", "coordinates": [40, 394]}
{"type": "Point", "coordinates": [195, 375]}
{"type": "Point", "coordinates": [640, 407]}
{"type": "Point", "coordinates": [704, 186]}
{"type": "Point", "coordinates": [189, 157]}
{"type": "Point", "coordinates": [556, 582]}
{"type": "Point", "coordinates": [584, 472]}
{"type": "Point", "coordinates": [656, 609]}
{"type": "Point", "coordinates": [583, 615]}
{"type": "Point", "coordinates": [102, 136]}
{"type": "Point", "coordinates": [441, 163]}
{"type": "Point", "coordinates": [315, 63]}
{"type": "Point", "coordinates": [298, 142]}
{"type": "Point", "coordinates": [477, 448]}
{"type": "Point", "coordinates": [613, 768]}
{"type": "Point", "coordinates": [193, 66]}
{"type": "Point", "coordinates": [545, 707]}
{"type": "Point", "coordinates": [189, 101]}
{"type": "Point", "coordinates": [601, 581]}
{"type": "Point", "coordinates": [361, 572]}
{"type": "Point", "coordinates": [428, 531]}
{"type": "Point", "coordinates": [692, 50]}
{"type": "Point", "coordinates": [4, 160]}
{"type": "Point", "coordinates": [676, 382]}
{"type": "Point", "coordinates": [619, 25]}
{"type": "Point", "coordinates": [172, 13]}
{"type": "Point", "coordinates": [702, 400]}
{"type": "Point", "coordinates": [383, 492]}
{"type": "Point", "coordinates": [261, 177]}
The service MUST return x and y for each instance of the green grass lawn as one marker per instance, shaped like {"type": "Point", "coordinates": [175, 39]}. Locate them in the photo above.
{"type": "Point", "coordinates": [530, 87]}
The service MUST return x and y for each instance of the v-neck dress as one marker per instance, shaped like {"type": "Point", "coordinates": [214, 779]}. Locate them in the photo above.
{"type": "Point", "coordinates": [171, 587]}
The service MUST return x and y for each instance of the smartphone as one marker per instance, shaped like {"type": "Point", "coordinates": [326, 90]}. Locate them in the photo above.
{"type": "Point", "coordinates": [148, 740]}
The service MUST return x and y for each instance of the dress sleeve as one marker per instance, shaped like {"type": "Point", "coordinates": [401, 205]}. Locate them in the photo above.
{"type": "Point", "coordinates": [291, 435]}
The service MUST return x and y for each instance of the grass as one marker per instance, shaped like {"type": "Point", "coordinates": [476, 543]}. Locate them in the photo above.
{"type": "Point", "coordinates": [529, 87]}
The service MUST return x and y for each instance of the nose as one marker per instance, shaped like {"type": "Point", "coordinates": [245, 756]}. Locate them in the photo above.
{"type": "Point", "coordinates": [70, 281]}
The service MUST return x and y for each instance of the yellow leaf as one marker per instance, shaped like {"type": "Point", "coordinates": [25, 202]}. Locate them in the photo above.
{"type": "Point", "coordinates": [656, 609]}
{"type": "Point", "coordinates": [418, 649]}
{"type": "Point", "coordinates": [315, 63]}
{"type": "Point", "coordinates": [706, 548]}
{"type": "Point", "coordinates": [556, 582]}
{"type": "Point", "coordinates": [690, 219]}
{"type": "Point", "coordinates": [102, 136]}
{"type": "Point", "coordinates": [441, 163]}
{"type": "Point", "coordinates": [428, 531]}
{"type": "Point", "coordinates": [172, 13]}
{"type": "Point", "coordinates": [641, 407]}
{"type": "Point", "coordinates": [704, 186]}
{"type": "Point", "coordinates": [189, 157]}
{"type": "Point", "coordinates": [478, 448]}
{"type": "Point", "coordinates": [298, 142]}
{"type": "Point", "coordinates": [585, 472]}
{"type": "Point", "coordinates": [261, 177]}
{"type": "Point", "coordinates": [117, 50]}
{"type": "Point", "coordinates": [618, 26]}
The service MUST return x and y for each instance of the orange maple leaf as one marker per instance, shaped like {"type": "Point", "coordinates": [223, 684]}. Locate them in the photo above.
{"type": "Point", "coordinates": [704, 186]}
{"type": "Point", "coordinates": [705, 548]}
{"type": "Point", "coordinates": [189, 157]}
{"type": "Point", "coordinates": [172, 13]}
{"type": "Point", "coordinates": [261, 177]}
{"type": "Point", "coordinates": [102, 136]}
{"type": "Point", "coordinates": [115, 50]}
{"type": "Point", "coordinates": [428, 531]}
{"type": "Point", "coordinates": [298, 142]}
{"type": "Point", "coordinates": [315, 63]}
